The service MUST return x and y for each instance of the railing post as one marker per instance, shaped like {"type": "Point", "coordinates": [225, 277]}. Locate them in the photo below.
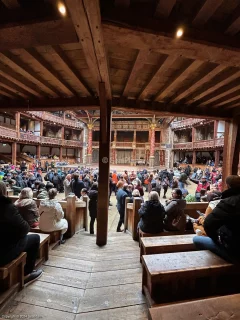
{"type": "Point", "coordinates": [136, 206]}
{"type": "Point", "coordinates": [71, 214]}
{"type": "Point", "coordinates": [85, 223]}
{"type": "Point", "coordinates": [127, 200]}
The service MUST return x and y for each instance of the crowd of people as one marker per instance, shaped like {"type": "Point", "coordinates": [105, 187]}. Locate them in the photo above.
{"type": "Point", "coordinates": [216, 229]}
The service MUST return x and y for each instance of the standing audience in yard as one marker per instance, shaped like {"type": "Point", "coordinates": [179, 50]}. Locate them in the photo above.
{"type": "Point", "coordinates": [93, 201]}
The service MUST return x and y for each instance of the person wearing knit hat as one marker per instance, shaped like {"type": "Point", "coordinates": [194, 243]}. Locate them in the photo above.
{"type": "Point", "coordinates": [222, 224]}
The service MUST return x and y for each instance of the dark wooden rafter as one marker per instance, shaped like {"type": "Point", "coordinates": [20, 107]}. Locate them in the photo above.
{"type": "Point", "coordinates": [69, 69]}
{"type": "Point", "coordinates": [215, 86]}
{"type": "Point", "coordinates": [143, 34]}
{"type": "Point", "coordinates": [227, 101]}
{"type": "Point", "coordinates": [138, 64]}
{"type": "Point", "coordinates": [164, 8]}
{"type": "Point", "coordinates": [7, 93]}
{"type": "Point", "coordinates": [208, 77]}
{"type": "Point", "coordinates": [23, 69]}
{"type": "Point", "coordinates": [31, 35]}
{"type": "Point", "coordinates": [122, 3]}
{"type": "Point", "coordinates": [206, 12]}
{"type": "Point", "coordinates": [168, 62]}
{"type": "Point", "coordinates": [87, 21]}
{"type": "Point", "coordinates": [46, 67]}
{"type": "Point", "coordinates": [182, 75]}
{"type": "Point", "coordinates": [14, 88]}
{"type": "Point", "coordinates": [11, 4]}
{"type": "Point", "coordinates": [233, 26]}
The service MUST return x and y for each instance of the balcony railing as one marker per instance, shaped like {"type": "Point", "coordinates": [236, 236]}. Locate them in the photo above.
{"type": "Point", "coordinates": [219, 142]}
{"type": "Point", "coordinates": [47, 116]}
{"type": "Point", "coordinates": [186, 123]}
{"type": "Point", "coordinates": [49, 140]}
{"type": "Point", "coordinates": [29, 137]}
{"type": "Point", "coordinates": [8, 133]}
{"type": "Point", "coordinates": [203, 144]}
{"type": "Point", "coordinates": [72, 143]}
{"type": "Point", "coordinates": [182, 145]}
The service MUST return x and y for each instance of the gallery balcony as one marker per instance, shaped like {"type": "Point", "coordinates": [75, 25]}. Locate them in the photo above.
{"type": "Point", "coordinates": [187, 123]}
{"type": "Point", "coordinates": [201, 144]}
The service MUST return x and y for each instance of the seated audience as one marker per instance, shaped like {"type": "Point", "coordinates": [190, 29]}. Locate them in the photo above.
{"type": "Point", "coordinates": [42, 191]}
{"type": "Point", "coordinates": [222, 224]}
{"type": "Point", "coordinates": [27, 207]}
{"type": "Point", "coordinates": [175, 219]}
{"type": "Point", "coordinates": [151, 214]}
{"type": "Point", "coordinates": [14, 238]}
{"type": "Point", "coordinates": [52, 215]}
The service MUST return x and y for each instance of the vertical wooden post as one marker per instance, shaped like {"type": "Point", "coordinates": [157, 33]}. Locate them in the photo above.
{"type": "Point", "coordinates": [14, 153]}
{"type": "Point", "coordinates": [217, 157]}
{"type": "Point", "coordinates": [17, 120]}
{"type": "Point", "coordinates": [236, 155]}
{"type": "Point", "coordinates": [127, 200]}
{"type": "Point", "coordinates": [38, 151]}
{"type": "Point", "coordinates": [104, 162]}
{"type": "Point", "coordinates": [136, 206]}
{"type": "Point", "coordinates": [41, 128]}
{"type": "Point", "coordinates": [230, 148]}
{"type": "Point", "coordinates": [194, 158]}
{"type": "Point", "coordinates": [60, 153]}
{"type": "Point", "coordinates": [71, 215]}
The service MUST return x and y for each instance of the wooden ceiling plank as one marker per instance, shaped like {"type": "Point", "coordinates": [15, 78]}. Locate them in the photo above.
{"type": "Point", "coordinates": [232, 106]}
{"type": "Point", "coordinates": [50, 71]}
{"type": "Point", "coordinates": [68, 67]}
{"type": "Point", "coordinates": [87, 21]}
{"type": "Point", "coordinates": [199, 83]}
{"type": "Point", "coordinates": [31, 35]}
{"type": "Point", "coordinates": [20, 81]}
{"type": "Point", "coordinates": [236, 98]}
{"type": "Point", "coordinates": [215, 87]}
{"type": "Point", "coordinates": [122, 3]}
{"type": "Point", "coordinates": [152, 82]}
{"type": "Point", "coordinates": [192, 68]}
{"type": "Point", "coordinates": [16, 64]}
{"type": "Point", "coordinates": [142, 35]}
{"type": "Point", "coordinates": [140, 60]}
{"type": "Point", "coordinates": [11, 4]}
{"type": "Point", "coordinates": [234, 28]}
{"type": "Point", "coordinates": [164, 8]}
{"type": "Point", "coordinates": [13, 88]}
{"type": "Point", "coordinates": [223, 94]}
{"type": "Point", "coordinates": [7, 93]}
{"type": "Point", "coordinates": [206, 12]}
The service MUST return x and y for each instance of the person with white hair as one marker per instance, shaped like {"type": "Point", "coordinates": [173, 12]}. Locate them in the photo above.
{"type": "Point", "coordinates": [52, 215]}
{"type": "Point", "coordinates": [151, 214]}
{"type": "Point", "coordinates": [27, 207]}
{"type": "Point", "coordinates": [67, 185]}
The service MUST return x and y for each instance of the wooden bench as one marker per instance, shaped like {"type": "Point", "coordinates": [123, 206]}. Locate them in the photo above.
{"type": "Point", "coordinates": [55, 236]}
{"type": "Point", "coordinates": [44, 248]}
{"type": "Point", "coordinates": [12, 278]}
{"type": "Point", "coordinates": [180, 276]}
{"type": "Point", "coordinates": [192, 207]}
{"type": "Point", "coordinates": [131, 217]}
{"type": "Point", "coordinates": [157, 245]}
{"type": "Point", "coordinates": [226, 307]}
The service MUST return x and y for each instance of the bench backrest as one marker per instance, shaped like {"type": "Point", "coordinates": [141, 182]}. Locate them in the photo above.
{"type": "Point", "coordinates": [192, 207]}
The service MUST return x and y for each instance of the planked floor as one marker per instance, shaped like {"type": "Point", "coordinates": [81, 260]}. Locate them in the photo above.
{"type": "Point", "coordinates": [82, 281]}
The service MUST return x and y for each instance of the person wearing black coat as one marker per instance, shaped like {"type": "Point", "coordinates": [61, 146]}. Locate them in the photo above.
{"type": "Point", "coordinates": [14, 238]}
{"type": "Point", "coordinates": [222, 224]}
{"type": "Point", "coordinates": [77, 185]}
{"type": "Point", "coordinates": [151, 214]}
{"type": "Point", "coordinates": [93, 200]}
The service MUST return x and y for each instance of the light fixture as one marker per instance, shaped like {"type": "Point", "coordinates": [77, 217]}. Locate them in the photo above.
{"type": "Point", "coordinates": [62, 8]}
{"type": "Point", "coordinates": [179, 33]}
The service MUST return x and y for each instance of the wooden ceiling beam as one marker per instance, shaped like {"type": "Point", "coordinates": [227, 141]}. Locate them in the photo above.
{"type": "Point", "coordinates": [167, 63]}
{"type": "Point", "coordinates": [69, 69]}
{"type": "Point", "coordinates": [164, 8]}
{"type": "Point", "coordinates": [87, 21]}
{"type": "Point", "coordinates": [7, 93]}
{"type": "Point", "coordinates": [168, 89]}
{"type": "Point", "coordinates": [11, 4]}
{"type": "Point", "coordinates": [234, 28]}
{"type": "Point", "coordinates": [228, 101]}
{"type": "Point", "coordinates": [122, 3]}
{"type": "Point", "coordinates": [206, 12]}
{"type": "Point", "coordinates": [138, 64]}
{"type": "Point", "coordinates": [142, 33]}
{"type": "Point", "coordinates": [46, 67]}
{"type": "Point", "coordinates": [18, 91]}
{"type": "Point", "coordinates": [31, 35]}
{"type": "Point", "coordinates": [208, 77]}
{"type": "Point", "coordinates": [24, 70]}
{"type": "Point", "coordinates": [214, 87]}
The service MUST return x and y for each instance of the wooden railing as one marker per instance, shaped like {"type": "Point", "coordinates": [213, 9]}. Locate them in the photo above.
{"type": "Point", "coordinates": [182, 145]}
{"type": "Point", "coordinates": [219, 142]}
{"type": "Point", "coordinates": [187, 123]}
{"type": "Point", "coordinates": [29, 137]}
{"type": "Point", "coordinates": [8, 133]}
{"type": "Point", "coordinates": [47, 116]}
{"type": "Point", "coordinates": [203, 144]}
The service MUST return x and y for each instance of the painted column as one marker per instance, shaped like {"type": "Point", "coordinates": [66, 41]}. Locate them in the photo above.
{"type": "Point", "coordinates": [14, 153]}
{"type": "Point", "coordinates": [133, 162]}
{"type": "Point", "coordinates": [114, 152]}
{"type": "Point", "coordinates": [41, 128]}
{"type": "Point", "coordinates": [17, 119]}
{"type": "Point", "coordinates": [152, 145]}
{"type": "Point", "coordinates": [89, 150]}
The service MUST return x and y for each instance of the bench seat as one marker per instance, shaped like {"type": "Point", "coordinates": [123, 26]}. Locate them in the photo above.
{"type": "Point", "coordinates": [12, 278]}
{"type": "Point", "coordinates": [55, 236]}
{"type": "Point", "coordinates": [226, 307]}
{"type": "Point", "coordinates": [180, 276]}
{"type": "Point", "coordinates": [157, 245]}
{"type": "Point", "coordinates": [44, 248]}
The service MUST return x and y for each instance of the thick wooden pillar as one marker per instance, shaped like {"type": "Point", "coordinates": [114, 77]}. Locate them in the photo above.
{"type": "Point", "coordinates": [14, 153]}
{"type": "Point", "coordinates": [217, 157]}
{"type": "Point", "coordinates": [194, 158]}
{"type": "Point", "coordinates": [17, 120]}
{"type": "Point", "coordinates": [231, 148]}
{"type": "Point", "coordinates": [41, 128]}
{"type": "Point", "coordinates": [60, 153]}
{"type": "Point", "coordinates": [89, 150]}
{"type": "Point", "coordinates": [38, 151]}
{"type": "Point", "coordinates": [104, 163]}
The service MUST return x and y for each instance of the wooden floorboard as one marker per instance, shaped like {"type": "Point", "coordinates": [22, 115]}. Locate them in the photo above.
{"type": "Point", "coordinates": [82, 281]}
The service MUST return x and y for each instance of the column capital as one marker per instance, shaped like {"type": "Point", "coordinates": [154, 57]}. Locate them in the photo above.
{"type": "Point", "coordinates": [90, 126]}
{"type": "Point", "coordinates": [152, 126]}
